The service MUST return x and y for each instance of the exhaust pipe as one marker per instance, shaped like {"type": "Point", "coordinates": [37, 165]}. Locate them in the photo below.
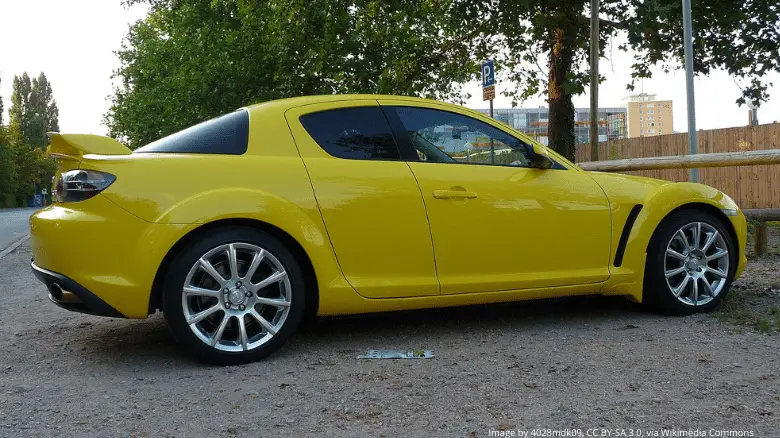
{"type": "Point", "coordinates": [60, 295]}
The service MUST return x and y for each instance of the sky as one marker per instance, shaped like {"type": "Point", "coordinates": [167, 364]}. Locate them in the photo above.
{"type": "Point", "coordinates": [74, 41]}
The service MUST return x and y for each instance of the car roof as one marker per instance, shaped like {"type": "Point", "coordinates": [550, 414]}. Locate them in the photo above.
{"type": "Point", "coordinates": [292, 102]}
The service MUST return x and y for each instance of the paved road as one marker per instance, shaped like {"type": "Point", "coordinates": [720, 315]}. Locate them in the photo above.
{"type": "Point", "coordinates": [14, 224]}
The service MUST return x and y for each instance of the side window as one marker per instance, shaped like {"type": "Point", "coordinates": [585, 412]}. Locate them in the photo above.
{"type": "Point", "coordinates": [360, 133]}
{"type": "Point", "coordinates": [442, 136]}
{"type": "Point", "coordinates": [227, 135]}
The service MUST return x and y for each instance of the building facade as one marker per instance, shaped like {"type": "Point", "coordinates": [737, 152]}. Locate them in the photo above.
{"type": "Point", "coordinates": [648, 117]}
{"type": "Point", "coordinates": [534, 121]}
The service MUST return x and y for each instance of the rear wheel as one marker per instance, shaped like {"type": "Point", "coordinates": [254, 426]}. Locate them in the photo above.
{"type": "Point", "coordinates": [235, 296]}
{"type": "Point", "coordinates": [691, 261]}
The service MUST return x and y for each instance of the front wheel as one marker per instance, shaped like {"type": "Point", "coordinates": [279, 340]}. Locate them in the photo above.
{"type": "Point", "coordinates": [234, 296]}
{"type": "Point", "coordinates": [691, 262]}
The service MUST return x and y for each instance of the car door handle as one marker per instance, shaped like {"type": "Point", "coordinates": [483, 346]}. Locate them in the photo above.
{"type": "Point", "coordinates": [453, 194]}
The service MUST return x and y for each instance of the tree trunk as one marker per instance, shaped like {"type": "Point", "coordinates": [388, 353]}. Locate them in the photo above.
{"type": "Point", "coordinates": [560, 130]}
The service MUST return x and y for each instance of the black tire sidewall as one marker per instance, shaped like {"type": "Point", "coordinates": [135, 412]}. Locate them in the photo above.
{"type": "Point", "coordinates": [656, 292]}
{"type": "Point", "coordinates": [177, 274]}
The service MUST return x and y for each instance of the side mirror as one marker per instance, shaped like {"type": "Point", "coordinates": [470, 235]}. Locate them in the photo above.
{"type": "Point", "coordinates": [540, 159]}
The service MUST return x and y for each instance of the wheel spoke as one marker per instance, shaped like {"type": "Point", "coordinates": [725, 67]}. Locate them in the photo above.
{"type": "Point", "coordinates": [710, 239]}
{"type": "Point", "coordinates": [675, 254]}
{"type": "Point", "coordinates": [256, 260]}
{"type": "Point", "coordinates": [220, 330]}
{"type": "Point", "coordinates": [273, 278]}
{"type": "Point", "coordinates": [717, 272]}
{"type": "Point", "coordinates": [199, 291]}
{"type": "Point", "coordinates": [233, 262]}
{"type": "Point", "coordinates": [682, 285]}
{"type": "Point", "coordinates": [263, 322]}
{"type": "Point", "coordinates": [681, 235]}
{"type": "Point", "coordinates": [276, 302]}
{"type": "Point", "coordinates": [695, 295]}
{"type": "Point", "coordinates": [242, 332]}
{"type": "Point", "coordinates": [209, 269]}
{"type": "Point", "coordinates": [200, 316]}
{"type": "Point", "coordinates": [673, 272]}
{"type": "Point", "coordinates": [707, 287]}
{"type": "Point", "coordinates": [720, 253]}
{"type": "Point", "coordinates": [697, 235]}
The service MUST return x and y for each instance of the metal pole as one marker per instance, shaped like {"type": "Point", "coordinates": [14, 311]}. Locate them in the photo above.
{"type": "Point", "coordinates": [594, 80]}
{"type": "Point", "coordinates": [492, 149]}
{"type": "Point", "coordinates": [693, 144]}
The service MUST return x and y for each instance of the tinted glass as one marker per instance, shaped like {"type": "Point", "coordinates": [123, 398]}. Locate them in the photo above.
{"type": "Point", "coordinates": [227, 134]}
{"type": "Point", "coordinates": [442, 136]}
{"type": "Point", "coordinates": [355, 133]}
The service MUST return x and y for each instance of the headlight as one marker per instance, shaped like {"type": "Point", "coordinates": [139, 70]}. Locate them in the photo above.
{"type": "Point", "coordinates": [79, 185]}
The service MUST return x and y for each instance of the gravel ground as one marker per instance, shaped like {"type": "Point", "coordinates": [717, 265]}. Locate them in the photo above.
{"type": "Point", "coordinates": [575, 363]}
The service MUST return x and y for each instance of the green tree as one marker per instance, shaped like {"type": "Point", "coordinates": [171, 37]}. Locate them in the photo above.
{"type": "Point", "coordinates": [44, 109]}
{"type": "Point", "coordinates": [33, 109]}
{"type": "Point", "coordinates": [23, 164]}
{"type": "Point", "coordinates": [20, 115]}
{"type": "Point", "coordinates": [740, 36]}
{"type": "Point", "coordinates": [8, 172]}
{"type": "Point", "coordinates": [1, 107]}
{"type": "Point", "coordinates": [194, 59]}
{"type": "Point", "coordinates": [190, 60]}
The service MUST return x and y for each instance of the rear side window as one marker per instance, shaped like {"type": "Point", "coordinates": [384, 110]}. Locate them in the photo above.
{"type": "Point", "coordinates": [227, 134]}
{"type": "Point", "coordinates": [354, 133]}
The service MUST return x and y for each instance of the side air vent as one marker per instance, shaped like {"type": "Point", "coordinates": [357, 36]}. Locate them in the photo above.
{"type": "Point", "coordinates": [621, 249]}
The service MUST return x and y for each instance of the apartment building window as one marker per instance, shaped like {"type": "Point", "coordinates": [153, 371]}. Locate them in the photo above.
{"type": "Point", "coordinates": [650, 105]}
{"type": "Point", "coordinates": [650, 112]}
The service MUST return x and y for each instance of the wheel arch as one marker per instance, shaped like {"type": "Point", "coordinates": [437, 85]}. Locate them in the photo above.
{"type": "Point", "coordinates": [700, 206]}
{"type": "Point", "coordinates": [304, 260]}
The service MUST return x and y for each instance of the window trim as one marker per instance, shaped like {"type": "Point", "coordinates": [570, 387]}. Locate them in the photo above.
{"type": "Point", "coordinates": [407, 149]}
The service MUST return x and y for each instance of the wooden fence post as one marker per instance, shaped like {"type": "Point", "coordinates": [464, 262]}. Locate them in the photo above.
{"type": "Point", "coordinates": [760, 239]}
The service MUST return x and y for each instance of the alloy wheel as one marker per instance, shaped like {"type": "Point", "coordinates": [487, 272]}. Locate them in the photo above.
{"type": "Point", "coordinates": [236, 297]}
{"type": "Point", "coordinates": [696, 263]}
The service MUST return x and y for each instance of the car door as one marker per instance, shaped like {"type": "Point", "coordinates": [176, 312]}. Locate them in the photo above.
{"type": "Point", "coordinates": [496, 223]}
{"type": "Point", "coordinates": [370, 202]}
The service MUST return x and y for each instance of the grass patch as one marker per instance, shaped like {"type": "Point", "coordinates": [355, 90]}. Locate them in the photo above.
{"type": "Point", "coordinates": [738, 310]}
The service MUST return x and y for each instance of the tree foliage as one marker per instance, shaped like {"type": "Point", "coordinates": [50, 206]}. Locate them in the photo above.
{"type": "Point", "coordinates": [1, 109]}
{"type": "Point", "coordinates": [24, 168]}
{"type": "Point", "coordinates": [33, 109]}
{"type": "Point", "coordinates": [189, 60]}
{"type": "Point", "coordinates": [542, 46]}
{"type": "Point", "coordinates": [8, 172]}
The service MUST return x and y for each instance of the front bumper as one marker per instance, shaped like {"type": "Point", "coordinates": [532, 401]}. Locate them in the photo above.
{"type": "Point", "coordinates": [60, 287]}
{"type": "Point", "coordinates": [739, 222]}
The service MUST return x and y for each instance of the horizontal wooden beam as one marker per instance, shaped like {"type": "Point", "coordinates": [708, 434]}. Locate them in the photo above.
{"type": "Point", "coordinates": [763, 214]}
{"type": "Point", "coordinates": [722, 159]}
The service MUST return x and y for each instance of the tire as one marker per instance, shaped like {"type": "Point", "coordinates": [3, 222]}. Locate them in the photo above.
{"type": "Point", "coordinates": [667, 254]}
{"type": "Point", "coordinates": [193, 292]}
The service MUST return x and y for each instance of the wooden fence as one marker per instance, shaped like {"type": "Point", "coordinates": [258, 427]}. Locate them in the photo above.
{"type": "Point", "coordinates": [750, 186]}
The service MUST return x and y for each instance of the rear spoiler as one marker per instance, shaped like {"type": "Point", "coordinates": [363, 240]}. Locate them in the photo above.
{"type": "Point", "coordinates": [75, 146]}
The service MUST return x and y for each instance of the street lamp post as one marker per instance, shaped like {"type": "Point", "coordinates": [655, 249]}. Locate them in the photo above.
{"type": "Point", "coordinates": [693, 144]}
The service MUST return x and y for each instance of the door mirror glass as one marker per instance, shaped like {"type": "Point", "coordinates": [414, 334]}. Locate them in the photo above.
{"type": "Point", "coordinates": [540, 158]}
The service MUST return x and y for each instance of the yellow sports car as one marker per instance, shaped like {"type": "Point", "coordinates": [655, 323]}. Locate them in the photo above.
{"type": "Point", "coordinates": [242, 226]}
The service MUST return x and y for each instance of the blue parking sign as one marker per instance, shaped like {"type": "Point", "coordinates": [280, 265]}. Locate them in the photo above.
{"type": "Point", "coordinates": [488, 74]}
